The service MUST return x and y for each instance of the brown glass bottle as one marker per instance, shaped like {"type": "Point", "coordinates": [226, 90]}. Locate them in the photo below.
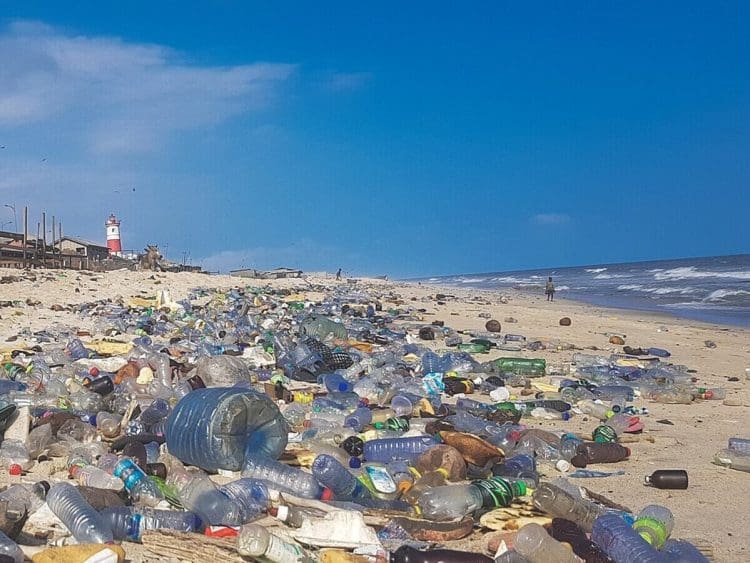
{"type": "Point", "coordinates": [592, 452]}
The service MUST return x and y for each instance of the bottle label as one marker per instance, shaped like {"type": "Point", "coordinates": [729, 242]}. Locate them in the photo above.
{"type": "Point", "coordinates": [380, 478]}
{"type": "Point", "coordinates": [495, 492]}
{"type": "Point", "coordinates": [604, 434]}
{"type": "Point", "coordinates": [279, 550]}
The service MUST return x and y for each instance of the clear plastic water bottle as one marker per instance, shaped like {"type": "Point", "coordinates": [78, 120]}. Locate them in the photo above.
{"type": "Point", "coordinates": [141, 489]}
{"type": "Point", "coordinates": [334, 476]}
{"type": "Point", "coordinates": [214, 428]}
{"type": "Point", "coordinates": [683, 552]}
{"type": "Point", "coordinates": [24, 499]}
{"type": "Point", "coordinates": [390, 449]}
{"type": "Point", "coordinates": [559, 503]}
{"type": "Point", "coordinates": [431, 363]}
{"type": "Point", "coordinates": [10, 550]}
{"type": "Point", "coordinates": [534, 543]}
{"type": "Point", "coordinates": [85, 523]}
{"type": "Point", "coordinates": [455, 501]}
{"type": "Point", "coordinates": [621, 542]}
{"type": "Point", "coordinates": [75, 350]}
{"type": "Point", "coordinates": [257, 542]}
{"type": "Point", "coordinates": [250, 495]}
{"type": "Point", "coordinates": [129, 523]}
{"type": "Point", "coordinates": [157, 411]}
{"type": "Point", "coordinates": [740, 445]}
{"type": "Point", "coordinates": [654, 524]}
{"type": "Point", "coordinates": [92, 476]}
{"type": "Point", "coordinates": [521, 465]}
{"type": "Point", "coordinates": [357, 420]}
{"type": "Point", "coordinates": [281, 477]}
{"type": "Point", "coordinates": [335, 383]}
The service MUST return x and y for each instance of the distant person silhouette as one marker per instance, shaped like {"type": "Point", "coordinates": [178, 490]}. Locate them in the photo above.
{"type": "Point", "coordinates": [338, 275]}
{"type": "Point", "coordinates": [549, 289]}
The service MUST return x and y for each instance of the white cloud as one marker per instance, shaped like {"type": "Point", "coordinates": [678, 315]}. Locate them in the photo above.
{"type": "Point", "coordinates": [550, 219]}
{"type": "Point", "coordinates": [112, 96]}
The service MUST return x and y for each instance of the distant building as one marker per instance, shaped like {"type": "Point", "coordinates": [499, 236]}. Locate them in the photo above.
{"type": "Point", "coordinates": [78, 253]}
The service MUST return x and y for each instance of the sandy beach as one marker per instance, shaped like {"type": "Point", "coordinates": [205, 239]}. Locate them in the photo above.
{"type": "Point", "coordinates": [711, 510]}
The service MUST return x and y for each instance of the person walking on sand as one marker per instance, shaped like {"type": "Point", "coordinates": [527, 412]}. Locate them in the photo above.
{"type": "Point", "coordinates": [549, 289]}
{"type": "Point", "coordinates": [338, 275]}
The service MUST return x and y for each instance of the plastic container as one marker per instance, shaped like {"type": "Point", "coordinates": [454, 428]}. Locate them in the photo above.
{"type": "Point", "coordinates": [257, 542]}
{"type": "Point", "coordinates": [85, 523]}
{"type": "Point", "coordinates": [521, 366]}
{"type": "Point", "coordinates": [10, 550]}
{"type": "Point", "coordinates": [621, 542]}
{"type": "Point", "coordinates": [739, 445]}
{"type": "Point", "coordinates": [281, 477]}
{"type": "Point", "coordinates": [455, 501]}
{"type": "Point", "coordinates": [335, 383]}
{"type": "Point", "coordinates": [592, 452]}
{"type": "Point", "coordinates": [559, 503]}
{"type": "Point", "coordinates": [251, 495]}
{"type": "Point", "coordinates": [534, 543]}
{"type": "Point", "coordinates": [129, 523]}
{"type": "Point", "coordinates": [214, 428]}
{"type": "Point", "coordinates": [521, 465]}
{"type": "Point", "coordinates": [92, 476]}
{"type": "Point", "coordinates": [337, 478]}
{"type": "Point", "coordinates": [390, 449]}
{"type": "Point", "coordinates": [141, 489]}
{"type": "Point", "coordinates": [357, 420]}
{"type": "Point", "coordinates": [24, 499]}
{"type": "Point", "coordinates": [654, 524]}
{"type": "Point", "coordinates": [406, 554]}
{"type": "Point", "coordinates": [668, 479]}
{"type": "Point", "coordinates": [733, 459]}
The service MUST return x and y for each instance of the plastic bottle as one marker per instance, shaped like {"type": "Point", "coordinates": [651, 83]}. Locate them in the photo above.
{"type": "Point", "coordinates": [391, 449]}
{"type": "Point", "coordinates": [623, 544]}
{"type": "Point", "coordinates": [10, 550]}
{"type": "Point", "coordinates": [129, 523]}
{"type": "Point", "coordinates": [613, 392]}
{"type": "Point", "coordinates": [24, 499]}
{"type": "Point", "coordinates": [572, 534]}
{"type": "Point", "coordinates": [569, 445]}
{"type": "Point", "coordinates": [406, 554]}
{"type": "Point", "coordinates": [733, 459]}
{"type": "Point", "coordinates": [331, 474]}
{"type": "Point", "coordinates": [670, 396]}
{"type": "Point", "coordinates": [534, 543]}
{"type": "Point", "coordinates": [92, 476]}
{"type": "Point", "coordinates": [683, 552]}
{"type": "Point", "coordinates": [357, 420]}
{"type": "Point", "coordinates": [425, 482]}
{"type": "Point", "coordinates": [600, 411]}
{"type": "Point", "coordinates": [654, 524]}
{"type": "Point", "coordinates": [85, 523]}
{"type": "Point", "coordinates": [592, 452]}
{"type": "Point", "coordinates": [108, 424]}
{"type": "Point", "coordinates": [520, 465]}
{"type": "Point", "coordinates": [455, 501]}
{"type": "Point", "coordinates": [250, 495]}
{"type": "Point", "coordinates": [141, 489]}
{"type": "Point", "coordinates": [739, 445]}
{"type": "Point", "coordinates": [668, 479]}
{"type": "Point", "coordinates": [336, 383]}
{"type": "Point", "coordinates": [255, 541]}
{"type": "Point", "coordinates": [521, 366]}
{"type": "Point", "coordinates": [281, 477]}
{"type": "Point", "coordinates": [213, 428]}
{"type": "Point", "coordinates": [559, 503]}
{"type": "Point", "coordinates": [75, 350]}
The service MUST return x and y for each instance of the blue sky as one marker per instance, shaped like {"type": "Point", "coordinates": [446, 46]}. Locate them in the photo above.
{"type": "Point", "coordinates": [408, 138]}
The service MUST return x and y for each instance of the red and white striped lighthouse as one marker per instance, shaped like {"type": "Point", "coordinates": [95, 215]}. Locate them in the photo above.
{"type": "Point", "coordinates": [113, 236]}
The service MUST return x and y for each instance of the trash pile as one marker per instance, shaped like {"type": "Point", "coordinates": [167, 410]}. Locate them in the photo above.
{"type": "Point", "coordinates": [257, 423]}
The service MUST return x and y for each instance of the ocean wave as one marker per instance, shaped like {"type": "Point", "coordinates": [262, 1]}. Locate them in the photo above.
{"type": "Point", "coordinates": [471, 280]}
{"type": "Point", "coordinates": [728, 296]}
{"type": "Point", "coordinates": [595, 270]}
{"type": "Point", "coordinates": [691, 272]}
{"type": "Point", "coordinates": [563, 288]}
{"type": "Point", "coordinates": [657, 290]}
{"type": "Point", "coordinates": [610, 276]}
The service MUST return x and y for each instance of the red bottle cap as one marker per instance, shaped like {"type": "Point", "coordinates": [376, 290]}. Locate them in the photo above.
{"type": "Point", "coordinates": [15, 469]}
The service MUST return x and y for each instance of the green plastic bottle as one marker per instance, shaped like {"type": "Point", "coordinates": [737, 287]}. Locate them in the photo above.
{"type": "Point", "coordinates": [522, 366]}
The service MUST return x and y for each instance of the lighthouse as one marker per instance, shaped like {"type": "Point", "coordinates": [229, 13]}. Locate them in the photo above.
{"type": "Point", "coordinates": [113, 236]}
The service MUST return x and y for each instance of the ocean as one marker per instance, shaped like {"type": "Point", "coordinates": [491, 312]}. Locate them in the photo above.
{"type": "Point", "coordinates": [714, 289]}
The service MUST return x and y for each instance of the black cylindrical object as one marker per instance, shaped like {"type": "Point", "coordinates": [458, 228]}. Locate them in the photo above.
{"type": "Point", "coordinates": [406, 554]}
{"type": "Point", "coordinates": [101, 385]}
{"type": "Point", "coordinates": [668, 479]}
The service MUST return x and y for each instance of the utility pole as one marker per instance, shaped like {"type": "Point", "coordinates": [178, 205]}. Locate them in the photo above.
{"type": "Point", "coordinates": [25, 233]}
{"type": "Point", "coordinates": [44, 239]}
{"type": "Point", "coordinates": [54, 264]}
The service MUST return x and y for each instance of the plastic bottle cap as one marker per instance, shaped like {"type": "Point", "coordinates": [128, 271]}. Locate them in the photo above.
{"type": "Point", "coordinates": [15, 469]}
{"type": "Point", "coordinates": [327, 494]}
{"type": "Point", "coordinates": [562, 466]}
{"type": "Point", "coordinates": [282, 513]}
{"type": "Point", "coordinates": [94, 371]}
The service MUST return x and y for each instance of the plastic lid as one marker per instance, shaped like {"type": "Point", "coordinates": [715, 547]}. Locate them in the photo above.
{"type": "Point", "coordinates": [15, 469]}
{"type": "Point", "coordinates": [45, 485]}
{"type": "Point", "coordinates": [282, 512]}
{"type": "Point", "coordinates": [327, 494]}
{"type": "Point", "coordinates": [562, 465]}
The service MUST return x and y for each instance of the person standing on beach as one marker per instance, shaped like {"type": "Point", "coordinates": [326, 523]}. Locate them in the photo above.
{"type": "Point", "coordinates": [549, 289]}
{"type": "Point", "coordinates": [338, 275]}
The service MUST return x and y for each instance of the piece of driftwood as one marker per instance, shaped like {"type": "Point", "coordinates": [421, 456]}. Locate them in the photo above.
{"type": "Point", "coordinates": [191, 547]}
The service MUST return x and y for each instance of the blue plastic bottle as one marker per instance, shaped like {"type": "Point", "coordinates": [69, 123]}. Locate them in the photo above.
{"type": "Point", "coordinates": [357, 420]}
{"type": "Point", "coordinates": [251, 495]}
{"type": "Point", "coordinates": [214, 428]}
{"type": "Point", "coordinates": [334, 476]}
{"type": "Point", "coordinates": [621, 542]}
{"type": "Point", "coordinates": [141, 489]}
{"type": "Point", "coordinates": [281, 477]}
{"type": "Point", "coordinates": [335, 383]}
{"type": "Point", "coordinates": [390, 449]}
